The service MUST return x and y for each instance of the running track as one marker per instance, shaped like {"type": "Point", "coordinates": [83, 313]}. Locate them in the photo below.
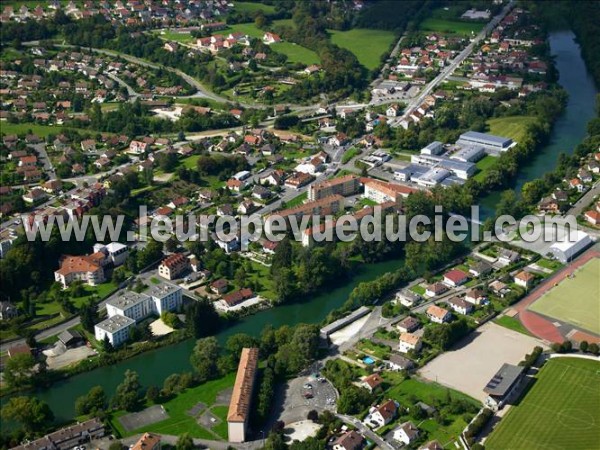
{"type": "Point", "coordinates": [537, 324]}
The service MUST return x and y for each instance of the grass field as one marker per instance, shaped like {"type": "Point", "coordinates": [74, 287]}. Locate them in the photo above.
{"type": "Point", "coordinates": [512, 324]}
{"type": "Point", "coordinates": [562, 410]}
{"type": "Point", "coordinates": [182, 38]}
{"type": "Point", "coordinates": [296, 201]}
{"type": "Point", "coordinates": [407, 391]}
{"type": "Point", "coordinates": [253, 7]}
{"type": "Point", "coordinates": [513, 127]}
{"type": "Point", "coordinates": [40, 130]}
{"type": "Point", "coordinates": [367, 45]}
{"type": "Point", "coordinates": [485, 164]}
{"type": "Point", "coordinates": [296, 53]}
{"type": "Point", "coordinates": [575, 300]}
{"type": "Point", "coordinates": [179, 421]}
{"type": "Point", "coordinates": [451, 26]}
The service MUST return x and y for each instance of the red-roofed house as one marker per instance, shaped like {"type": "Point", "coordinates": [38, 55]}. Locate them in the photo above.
{"type": "Point", "coordinates": [455, 277]}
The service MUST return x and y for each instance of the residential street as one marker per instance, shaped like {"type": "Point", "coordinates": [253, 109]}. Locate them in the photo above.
{"type": "Point", "coordinates": [447, 71]}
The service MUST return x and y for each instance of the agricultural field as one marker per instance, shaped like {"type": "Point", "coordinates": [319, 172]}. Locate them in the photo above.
{"type": "Point", "coordinates": [574, 300]}
{"type": "Point", "coordinates": [513, 127]}
{"type": "Point", "coordinates": [562, 410]}
{"type": "Point", "coordinates": [450, 26]}
{"type": "Point", "coordinates": [214, 399]}
{"type": "Point", "coordinates": [367, 45]}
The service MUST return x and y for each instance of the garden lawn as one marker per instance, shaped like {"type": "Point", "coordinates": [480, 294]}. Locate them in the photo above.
{"type": "Point", "coordinates": [261, 274]}
{"type": "Point", "coordinates": [367, 45]}
{"type": "Point", "coordinates": [179, 421]}
{"type": "Point", "coordinates": [296, 53]}
{"type": "Point", "coordinates": [562, 410]}
{"type": "Point", "coordinates": [432, 394]}
{"type": "Point", "coordinates": [514, 127]}
{"type": "Point", "coordinates": [459, 27]}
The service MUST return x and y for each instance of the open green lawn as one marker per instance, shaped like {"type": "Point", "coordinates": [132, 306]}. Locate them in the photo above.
{"type": "Point", "coordinates": [298, 200]}
{"type": "Point", "coordinates": [253, 7]}
{"type": "Point", "coordinates": [451, 26]}
{"type": "Point", "coordinates": [247, 28]}
{"type": "Point", "coordinates": [284, 23]}
{"type": "Point", "coordinates": [562, 410]}
{"type": "Point", "coordinates": [183, 38]}
{"type": "Point", "coordinates": [296, 53]}
{"type": "Point", "coordinates": [484, 164]}
{"type": "Point", "coordinates": [179, 421]}
{"type": "Point", "coordinates": [40, 130]}
{"type": "Point", "coordinates": [575, 300]}
{"type": "Point", "coordinates": [512, 324]}
{"type": "Point", "coordinates": [513, 127]}
{"type": "Point", "coordinates": [367, 45]}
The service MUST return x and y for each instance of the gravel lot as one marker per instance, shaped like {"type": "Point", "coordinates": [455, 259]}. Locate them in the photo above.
{"type": "Point", "coordinates": [473, 362]}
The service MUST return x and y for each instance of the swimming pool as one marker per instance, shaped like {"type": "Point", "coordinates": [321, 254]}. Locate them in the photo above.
{"type": "Point", "coordinates": [368, 360]}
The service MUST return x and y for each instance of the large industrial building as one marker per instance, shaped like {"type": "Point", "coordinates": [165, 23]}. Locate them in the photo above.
{"type": "Point", "coordinates": [241, 398]}
{"type": "Point", "coordinates": [489, 142]}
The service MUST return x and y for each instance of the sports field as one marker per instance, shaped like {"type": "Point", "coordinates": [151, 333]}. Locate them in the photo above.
{"type": "Point", "coordinates": [561, 411]}
{"type": "Point", "coordinates": [513, 127]}
{"type": "Point", "coordinates": [367, 45]}
{"type": "Point", "coordinates": [575, 300]}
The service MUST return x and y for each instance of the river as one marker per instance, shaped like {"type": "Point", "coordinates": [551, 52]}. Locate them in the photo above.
{"type": "Point", "coordinates": [154, 366]}
{"type": "Point", "coordinates": [570, 128]}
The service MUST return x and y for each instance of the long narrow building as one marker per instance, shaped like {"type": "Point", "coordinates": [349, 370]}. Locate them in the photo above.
{"type": "Point", "coordinates": [241, 398]}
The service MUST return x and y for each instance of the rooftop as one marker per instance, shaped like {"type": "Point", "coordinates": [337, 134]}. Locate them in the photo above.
{"type": "Point", "coordinates": [239, 407]}
{"type": "Point", "coordinates": [126, 299]}
{"type": "Point", "coordinates": [115, 323]}
{"type": "Point", "coordinates": [160, 288]}
{"type": "Point", "coordinates": [475, 135]}
{"type": "Point", "coordinates": [505, 378]}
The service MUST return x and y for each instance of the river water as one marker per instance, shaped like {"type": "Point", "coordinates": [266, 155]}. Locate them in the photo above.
{"type": "Point", "coordinates": [154, 366]}
{"type": "Point", "coordinates": [570, 129]}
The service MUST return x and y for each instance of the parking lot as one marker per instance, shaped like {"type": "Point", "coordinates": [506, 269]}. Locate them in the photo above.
{"type": "Point", "coordinates": [303, 394]}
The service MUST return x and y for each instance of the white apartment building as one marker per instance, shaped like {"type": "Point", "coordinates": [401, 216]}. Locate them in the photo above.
{"type": "Point", "coordinates": [160, 296]}
{"type": "Point", "coordinates": [116, 328]}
